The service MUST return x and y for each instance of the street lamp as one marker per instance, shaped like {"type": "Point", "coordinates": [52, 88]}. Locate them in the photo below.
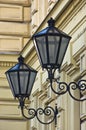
{"type": "Point", "coordinates": [21, 79]}
{"type": "Point", "coordinates": [51, 45]}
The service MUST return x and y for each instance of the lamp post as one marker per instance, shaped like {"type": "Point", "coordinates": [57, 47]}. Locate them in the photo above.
{"type": "Point", "coordinates": [21, 79]}
{"type": "Point", "coordinates": [51, 45]}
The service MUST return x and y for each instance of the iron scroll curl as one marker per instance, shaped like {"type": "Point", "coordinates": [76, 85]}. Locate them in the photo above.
{"type": "Point", "coordinates": [71, 88]}
{"type": "Point", "coordinates": [48, 111]}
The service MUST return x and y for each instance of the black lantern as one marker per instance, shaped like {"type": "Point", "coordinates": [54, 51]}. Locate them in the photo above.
{"type": "Point", "coordinates": [21, 79]}
{"type": "Point", "coordinates": [51, 45]}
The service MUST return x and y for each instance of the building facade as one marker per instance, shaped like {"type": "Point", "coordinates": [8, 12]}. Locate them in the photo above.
{"type": "Point", "coordinates": [19, 20]}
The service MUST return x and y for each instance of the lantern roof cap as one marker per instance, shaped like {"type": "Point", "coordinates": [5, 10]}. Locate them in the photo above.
{"type": "Point", "coordinates": [51, 30]}
{"type": "Point", "coordinates": [21, 66]}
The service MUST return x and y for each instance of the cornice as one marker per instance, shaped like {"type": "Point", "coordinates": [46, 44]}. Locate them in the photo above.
{"type": "Point", "coordinates": [69, 12]}
{"type": "Point", "coordinates": [19, 3]}
{"type": "Point", "coordinates": [7, 64]}
{"type": "Point", "coordinates": [7, 60]}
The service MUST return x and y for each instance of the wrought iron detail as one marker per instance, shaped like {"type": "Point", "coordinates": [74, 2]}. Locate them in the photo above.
{"type": "Point", "coordinates": [63, 87]}
{"type": "Point", "coordinates": [48, 111]}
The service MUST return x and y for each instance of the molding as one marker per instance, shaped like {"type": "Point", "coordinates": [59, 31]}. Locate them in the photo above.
{"type": "Point", "coordinates": [15, 21]}
{"type": "Point", "coordinates": [36, 92]}
{"type": "Point", "coordinates": [7, 64]}
{"type": "Point", "coordinates": [8, 60]}
{"type": "Point", "coordinates": [43, 95]}
{"type": "Point", "coordinates": [76, 56]}
{"type": "Point", "coordinates": [13, 118]}
{"type": "Point", "coordinates": [5, 14]}
{"type": "Point", "coordinates": [9, 52]}
{"type": "Point", "coordinates": [71, 69]}
{"type": "Point", "coordinates": [69, 13]}
{"type": "Point", "coordinates": [77, 28]}
{"type": "Point", "coordinates": [15, 30]}
{"type": "Point", "coordinates": [83, 118]}
{"type": "Point", "coordinates": [13, 2]}
{"type": "Point", "coordinates": [83, 73]}
{"type": "Point", "coordinates": [34, 11]}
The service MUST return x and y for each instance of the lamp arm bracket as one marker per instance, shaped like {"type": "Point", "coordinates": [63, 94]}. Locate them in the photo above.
{"type": "Point", "coordinates": [80, 86]}
{"type": "Point", "coordinates": [39, 113]}
{"type": "Point", "coordinates": [72, 88]}
{"type": "Point", "coordinates": [31, 113]}
{"type": "Point", "coordinates": [48, 112]}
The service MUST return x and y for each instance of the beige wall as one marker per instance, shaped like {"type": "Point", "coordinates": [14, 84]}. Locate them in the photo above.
{"type": "Point", "coordinates": [15, 20]}
{"type": "Point", "coordinates": [19, 19]}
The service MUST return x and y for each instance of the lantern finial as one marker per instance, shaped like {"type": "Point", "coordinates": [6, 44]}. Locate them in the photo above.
{"type": "Point", "coordinates": [21, 59]}
{"type": "Point", "coordinates": [51, 22]}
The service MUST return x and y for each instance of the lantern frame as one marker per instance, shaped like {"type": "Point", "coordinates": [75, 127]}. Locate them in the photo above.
{"type": "Point", "coordinates": [51, 45]}
{"type": "Point", "coordinates": [31, 112]}
{"type": "Point", "coordinates": [53, 67]}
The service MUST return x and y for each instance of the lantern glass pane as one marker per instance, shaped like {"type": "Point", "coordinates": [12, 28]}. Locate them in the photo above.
{"type": "Point", "coordinates": [23, 66]}
{"type": "Point", "coordinates": [53, 44]}
{"type": "Point", "coordinates": [63, 47]}
{"type": "Point", "coordinates": [41, 49]}
{"type": "Point", "coordinates": [8, 78]}
{"type": "Point", "coordinates": [24, 77]}
{"type": "Point", "coordinates": [31, 82]}
{"type": "Point", "coordinates": [53, 31]}
{"type": "Point", "coordinates": [14, 82]}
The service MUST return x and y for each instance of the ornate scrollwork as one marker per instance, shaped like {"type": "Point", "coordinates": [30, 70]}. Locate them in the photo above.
{"type": "Point", "coordinates": [80, 86]}
{"type": "Point", "coordinates": [47, 111]}
{"type": "Point", "coordinates": [62, 87]}
{"type": "Point", "coordinates": [73, 85]}
{"type": "Point", "coordinates": [30, 113]}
